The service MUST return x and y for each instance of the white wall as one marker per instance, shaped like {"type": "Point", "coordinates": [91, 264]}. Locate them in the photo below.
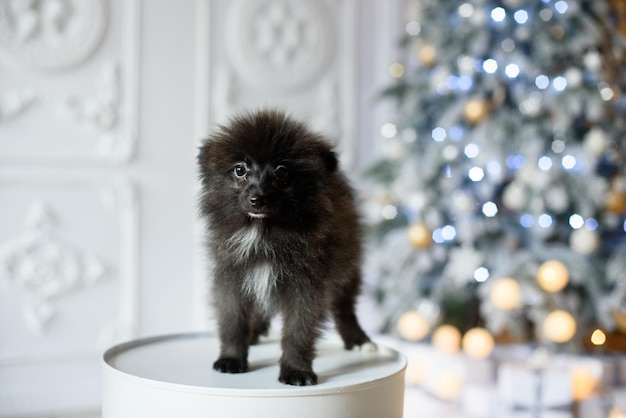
{"type": "Point", "coordinates": [102, 106]}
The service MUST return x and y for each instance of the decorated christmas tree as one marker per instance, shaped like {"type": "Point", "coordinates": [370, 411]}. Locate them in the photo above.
{"type": "Point", "coordinates": [501, 201]}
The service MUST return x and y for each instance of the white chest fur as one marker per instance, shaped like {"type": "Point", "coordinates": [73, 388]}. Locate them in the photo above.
{"type": "Point", "coordinates": [260, 283]}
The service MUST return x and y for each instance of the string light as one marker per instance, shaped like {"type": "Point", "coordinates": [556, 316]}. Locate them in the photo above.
{"type": "Point", "coordinates": [545, 163]}
{"type": "Point", "coordinates": [476, 174]}
{"type": "Point", "coordinates": [490, 66]}
{"type": "Point", "coordinates": [490, 209]}
{"type": "Point", "coordinates": [544, 220]}
{"type": "Point", "coordinates": [508, 45]}
{"type": "Point", "coordinates": [561, 6]}
{"type": "Point", "coordinates": [542, 82]}
{"type": "Point", "coordinates": [439, 134]}
{"type": "Point", "coordinates": [591, 224]}
{"type": "Point", "coordinates": [498, 14]}
{"type": "Point", "coordinates": [456, 133]}
{"type": "Point", "coordinates": [568, 162]}
{"type": "Point", "coordinates": [521, 16]}
{"type": "Point", "coordinates": [606, 92]}
{"type": "Point", "coordinates": [494, 168]}
{"type": "Point", "coordinates": [558, 146]}
{"type": "Point", "coordinates": [388, 130]}
{"type": "Point", "coordinates": [526, 220]}
{"type": "Point", "coordinates": [389, 212]}
{"type": "Point", "coordinates": [546, 15]}
{"type": "Point", "coordinates": [471, 150]}
{"type": "Point", "coordinates": [576, 221]}
{"type": "Point", "coordinates": [559, 83]}
{"type": "Point", "coordinates": [481, 274]}
{"type": "Point", "coordinates": [466, 10]}
{"type": "Point", "coordinates": [448, 232]}
{"type": "Point", "coordinates": [515, 162]}
{"type": "Point", "coordinates": [512, 70]}
{"type": "Point", "coordinates": [413, 28]}
{"type": "Point", "coordinates": [465, 82]}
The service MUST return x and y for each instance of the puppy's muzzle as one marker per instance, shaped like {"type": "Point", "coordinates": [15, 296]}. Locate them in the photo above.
{"type": "Point", "coordinates": [257, 201]}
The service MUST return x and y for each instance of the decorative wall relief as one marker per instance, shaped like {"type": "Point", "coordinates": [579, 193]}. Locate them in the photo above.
{"type": "Point", "coordinates": [280, 44]}
{"type": "Point", "coordinates": [44, 267]}
{"type": "Point", "coordinates": [83, 92]}
{"type": "Point", "coordinates": [68, 245]}
{"type": "Point", "coordinates": [52, 34]}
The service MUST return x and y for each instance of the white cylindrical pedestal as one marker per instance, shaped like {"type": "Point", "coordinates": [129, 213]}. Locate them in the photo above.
{"type": "Point", "coordinates": [172, 376]}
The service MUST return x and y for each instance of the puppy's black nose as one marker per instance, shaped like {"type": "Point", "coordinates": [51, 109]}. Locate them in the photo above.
{"type": "Point", "coordinates": [257, 201]}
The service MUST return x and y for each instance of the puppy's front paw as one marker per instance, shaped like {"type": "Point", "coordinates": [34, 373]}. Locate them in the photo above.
{"type": "Point", "coordinates": [297, 377]}
{"type": "Point", "coordinates": [368, 347]}
{"type": "Point", "coordinates": [231, 365]}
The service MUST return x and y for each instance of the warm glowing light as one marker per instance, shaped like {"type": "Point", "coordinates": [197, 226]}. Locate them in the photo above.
{"type": "Point", "coordinates": [559, 326]}
{"type": "Point", "coordinates": [552, 276]}
{"type": "Point", "coordinates": [616, 413]}
{"type": "Point", "coordinates": [598, 337]}
{"type": "Point", "coordinates": [478, 343]}
{"type": "Point", "coordinates": [415, 371]}
{"type": "Point", "coordinates": [412, 326]}
{"type": "Point", "coordinates": [448, 386]}
{"type": "Point", "coordinates": [584, 383]}
{"type": "Point", "coordinates": [505, 294]}
{"type": "Point", "coordinates": [447, 339]}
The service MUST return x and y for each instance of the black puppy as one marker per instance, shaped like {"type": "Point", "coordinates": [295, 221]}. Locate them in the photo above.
{"type": "Point", "coordinates": [284, 234]}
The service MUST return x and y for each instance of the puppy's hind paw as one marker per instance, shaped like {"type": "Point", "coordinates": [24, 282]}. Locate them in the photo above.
{"type": "Point", "coordinates": [297, 377]}
{"type": "Point", "coordinates": [231, 365]}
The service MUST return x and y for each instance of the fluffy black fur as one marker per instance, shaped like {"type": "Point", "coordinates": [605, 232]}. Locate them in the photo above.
{"type": "Point", "coordinates": [284, 234]}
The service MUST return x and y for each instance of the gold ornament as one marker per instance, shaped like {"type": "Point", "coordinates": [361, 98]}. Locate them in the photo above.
{"type": "Point", "coordinates": [559, 326]}
{"type": "Point", "coordinates": [396, 70]}
{"type": "Point", "coordinates": [475, 111]}
{"type": "Point", "coordinates": [505, 294]}
{"type": "Point", "coordinates": [615, 201]}
{"type": "Point", "coordinates": [420, 236]}
{"type": "Point", "coordinates": [412, 326]}
{"type": "Point", "coordinates": [478, 343]}
{"type": "Point", "coordinates": [447, 338]}
{"type": "Point", "coordinates": [552, 276]}
{"type": "Point", "coordinates": [427, 55]}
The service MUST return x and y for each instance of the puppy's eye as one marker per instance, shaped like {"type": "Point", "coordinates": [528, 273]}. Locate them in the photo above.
{"type": "Point", "coordinates": [240, 170]}
{"type": "Point", "coordinates": [281, 172]}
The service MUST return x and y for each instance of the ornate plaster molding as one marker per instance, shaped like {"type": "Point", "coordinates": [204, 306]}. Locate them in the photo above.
{"type": "Point", "coordinates": [52, 34]}
{"type": "Point", "coordinates": [44, 267]}
{"type": "Point", "coordinates": [280, 44]}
